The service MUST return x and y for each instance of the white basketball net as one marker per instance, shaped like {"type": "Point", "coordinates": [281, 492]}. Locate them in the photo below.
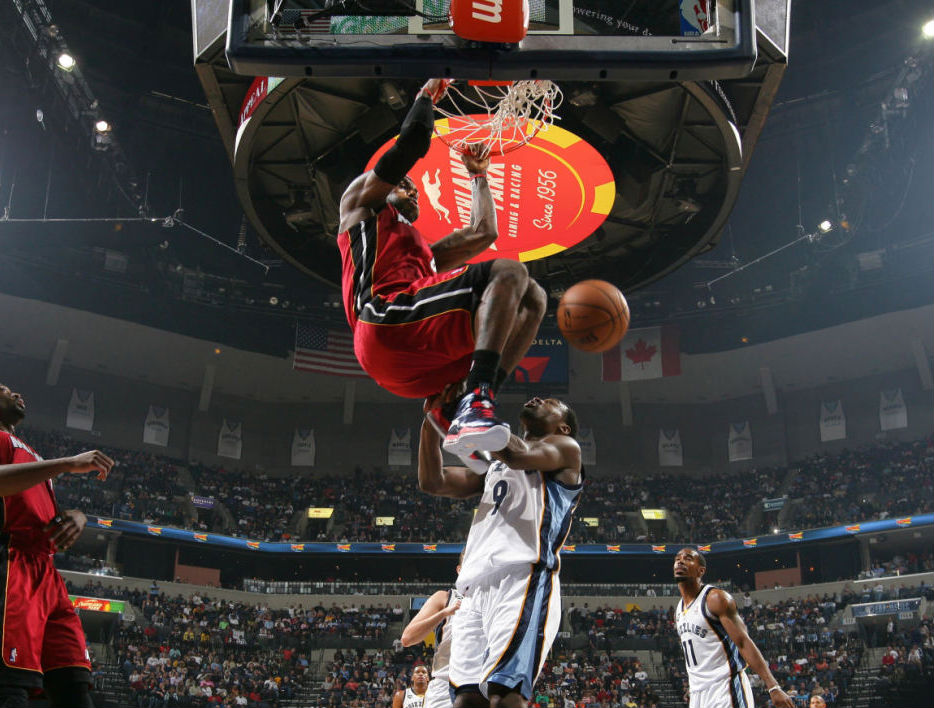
{"type": "Point", "coordinates": [505, 117]}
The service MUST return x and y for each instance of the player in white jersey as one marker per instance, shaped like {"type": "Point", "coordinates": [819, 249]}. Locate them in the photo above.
{"type": "Point", "coordinates": [435, 615]}
{"type": "Point", "coordinates": [717, 649]}
{"type": "Point", "coordinates": [414, 695]}
{"type": "Point", "coordinates": [509, 574]}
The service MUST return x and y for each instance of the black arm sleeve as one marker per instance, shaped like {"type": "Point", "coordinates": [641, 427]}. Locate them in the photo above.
{"type": "Point", "coordinates": [413, 142]}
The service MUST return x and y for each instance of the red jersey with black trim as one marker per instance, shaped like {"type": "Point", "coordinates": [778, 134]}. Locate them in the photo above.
{"type": "Point", "coordinates": [381, 256]}
{"type": "Point", "coordinates": [25, 513]}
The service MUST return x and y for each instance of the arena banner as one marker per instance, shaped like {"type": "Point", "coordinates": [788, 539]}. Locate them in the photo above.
{"type": "Point", "coordinates": [669, 448]}
{"type": "Point", "coordinates": [400, 448]}
{"type": "Point", "coordinates": [740, 445]}
{"type": "Point", "coordinates": [303, 448]}
{"type": "Point", "coordinates": [890, 607]}
{"type": "Point", "coordinates": [156, 427]}
{"type": "Point", "coordinates": [97, 604]}
{"type": "Point", "coordinates": [230, 439]}
{"type": "Point", "coordinates": [202, 502]}
{"type": "Point", "coordinates": [647, 353]}
{"type": "Point", "coordinates": [893, 414]}
{"type": "Point", "coordinates": [588, 445]}
{"type": "Point", "coordinates": [167, 533]}
{"type": "Point", "coordinates": [546, 361]}
{"type": "Point", "coordinates": [80, 410]}
{"type": "Point", "coordinates": [832, 421]}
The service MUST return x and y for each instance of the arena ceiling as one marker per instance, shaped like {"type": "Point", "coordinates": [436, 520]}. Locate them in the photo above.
{"type": "Point", "coordinates": [826, 121]}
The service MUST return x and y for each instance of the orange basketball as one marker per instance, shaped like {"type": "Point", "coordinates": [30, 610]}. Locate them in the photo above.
{"type": "Point", "coordinates": [593, 315]}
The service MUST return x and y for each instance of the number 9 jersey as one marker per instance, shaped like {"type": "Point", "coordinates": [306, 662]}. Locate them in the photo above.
{"type": "Point", "coordinates": [523, 518]}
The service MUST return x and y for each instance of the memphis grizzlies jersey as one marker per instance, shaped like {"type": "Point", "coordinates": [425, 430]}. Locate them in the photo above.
{"type": "Point", "coordinates": [412, 700]}
{"type": "Point", "coordinates": [439, 665]}
{"type": "Point", "coordinates": [709, 653]}
{"type": "Point", "coordinates": [523, 517]}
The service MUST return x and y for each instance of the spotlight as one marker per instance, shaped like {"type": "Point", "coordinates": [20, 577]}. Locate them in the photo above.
{"type": "Point", "coordinates": [928, 29]}
{"type": "Point", "coordinates": [273, 300]}
{"type": "Point", "coordinates": [102, 126]}
{"type": "Point", "coordinates": [825, 227]}
{"type": "Point", "coordinates": [66, 62]}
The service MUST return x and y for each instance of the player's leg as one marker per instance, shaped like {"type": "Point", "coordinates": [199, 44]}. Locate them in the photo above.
{"type": "Point", "coordinates": [65, 660]}
{"type": "Point", "coordinates": [68, 688]}
{"type": "Point", "coordinates": [468, 646]}
{"type": "Point", "coordinates": [531, 311]}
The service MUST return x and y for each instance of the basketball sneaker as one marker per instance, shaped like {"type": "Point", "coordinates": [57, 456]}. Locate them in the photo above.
{"type": "Point", "coordinates": [478, 461]}
{"type": "Point", "coordinates": [475, 425]}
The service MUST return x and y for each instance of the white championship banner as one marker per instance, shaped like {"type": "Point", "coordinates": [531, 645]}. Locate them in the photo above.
{"type": "Point", "coordinates": [80, 410]}
{"type": "Point", "coordinates": [156, 427]}
{"type": "Point", "coordinates": [230, 440]}
{"type": "Point", "coordinates": [669, 448]}
{"type": "Point", "coordinates": [303, 448]}
{"type": "Point", "coordinates": [400, 448]}
{"type": "Point", "coordinates": [740, 443]}
{"type": "Point", "coordinates": [588, 445]}
{"type": "Point", "coordinates": [893, 413]}
{"type": "Point", "coordinates": [832, 421]}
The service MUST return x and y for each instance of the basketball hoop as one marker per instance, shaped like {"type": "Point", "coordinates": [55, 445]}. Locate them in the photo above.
{"type": "Point", "coordinates": [504, 115]}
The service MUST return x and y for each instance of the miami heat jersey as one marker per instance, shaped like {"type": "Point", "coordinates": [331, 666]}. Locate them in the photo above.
{"type": "Point", "coordinates": [710, 655]}
{"type": "Point", "coordinates": [25, 513]}
{"type": "Point", "coordinates": [412, 699]}
{"type": "Point", "coordinates": [439, 665]}
{"type": "Point", "coordinates": [380, 256]}
{"type": "Point", "coordinates": [524, 517]}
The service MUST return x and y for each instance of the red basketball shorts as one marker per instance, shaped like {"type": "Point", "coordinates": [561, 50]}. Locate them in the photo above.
{"type": "Point", "coordinates": [40, 629]}
{"type": "Point", "coordinates": [416, 341]}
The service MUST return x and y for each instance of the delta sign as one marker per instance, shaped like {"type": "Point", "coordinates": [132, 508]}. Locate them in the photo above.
{"type": "Point", "coordinates": [550, 194]}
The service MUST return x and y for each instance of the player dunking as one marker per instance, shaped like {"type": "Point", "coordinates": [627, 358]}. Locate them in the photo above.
{"type": "Point", "coordinates": [509, 576]}
{"type": "Point", "coordinates": [716, 646]}
{"type": "Point", "coordinates": [421, 317]}
{"type": "Point", "coordinates": [435, 616]}
{"type": "Point", "coordinates": [42, 638]}
{"type": "Point", "coordinates": [414, 695]}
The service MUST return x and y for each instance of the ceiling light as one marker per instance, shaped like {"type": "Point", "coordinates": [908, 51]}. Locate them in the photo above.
{"type": "Point", "coordinates": [102, 126]}
{"type": "Point", "coordinates": [928, 29]}
{"type": "Point", "coordinates": [273, 300]}
{"type": "Point", "coordinates": [826, 226]}
{"type": "Point", "coordinates": [66, 62]}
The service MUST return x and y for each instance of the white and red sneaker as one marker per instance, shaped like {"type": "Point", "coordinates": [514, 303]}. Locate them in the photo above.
{"type": "Point", "coordinates": [475, 425]}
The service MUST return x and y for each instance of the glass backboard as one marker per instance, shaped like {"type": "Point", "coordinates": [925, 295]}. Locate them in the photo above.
{"type": "Point", "coordinates": [580, 40]}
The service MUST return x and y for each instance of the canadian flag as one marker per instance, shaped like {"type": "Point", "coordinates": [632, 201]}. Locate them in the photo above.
{"type": "Point", "coordinates": [648, 353]}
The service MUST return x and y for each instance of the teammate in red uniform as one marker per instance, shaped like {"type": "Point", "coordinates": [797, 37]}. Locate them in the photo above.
{"type": "Point", "coordinates": [42, 642]}
{"type": "Point", "coordinates": [422, 318]}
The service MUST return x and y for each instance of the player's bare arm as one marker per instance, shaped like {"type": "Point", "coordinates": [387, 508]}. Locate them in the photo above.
{"type": "Point", "coordinates": [430, 616]}
{"type": "Point", "coordinates": [458, 247]}
{"type": "Point", "coordinates": [397, 698]}
{"type": "Point", "coordinates": [436, 479]}
{"type": "Point", "coordinates": [66, 528]}
{"type": "Point", "coordinates": [367, 193]}
{"type": "Point", "coordinates": [19, 477]}
{"type": "Point", "coordinates": [559, 453]}
{"type": "Point", "coordinates": [722, 605]}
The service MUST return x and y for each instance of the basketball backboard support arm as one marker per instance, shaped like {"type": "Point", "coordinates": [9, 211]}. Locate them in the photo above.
{"type": "Point", "coordinates": [556, 55]}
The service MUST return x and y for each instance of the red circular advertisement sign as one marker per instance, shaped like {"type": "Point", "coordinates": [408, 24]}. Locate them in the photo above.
{"type": "Point", "coordinates": [550, 194]}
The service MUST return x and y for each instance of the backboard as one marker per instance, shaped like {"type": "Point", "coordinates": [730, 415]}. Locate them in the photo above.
{"type": "Point", "coordinates": [580, 40]}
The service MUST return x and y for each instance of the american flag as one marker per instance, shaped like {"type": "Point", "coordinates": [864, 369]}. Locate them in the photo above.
{"type": "Point", "coordinates": [325, 351]}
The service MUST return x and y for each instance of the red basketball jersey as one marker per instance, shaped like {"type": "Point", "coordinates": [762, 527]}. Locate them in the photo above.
{"type": "Point", "coordinates": [381, 256]}
{"type": "Point", "coordinates": [25, 513]}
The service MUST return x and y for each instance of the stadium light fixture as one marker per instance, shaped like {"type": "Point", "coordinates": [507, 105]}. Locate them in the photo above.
{"type": "Point", "coordinates": [102, 126]}
{"type": "Point", "coordinates": [826, 226]}
{"type": "Point", "coordinates": [928, 29]}
{"type": "Point", "coordinates": [66, 62]}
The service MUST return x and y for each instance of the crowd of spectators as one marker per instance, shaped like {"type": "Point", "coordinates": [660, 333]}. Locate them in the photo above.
{"type": "Point", "coordinates": [898, 564]}
{"type": "Point", "coordinates": [907, 664]}
{"type": "Point", "coordinates": [889, 479]}
{"type": "Point", "coordinates": [883, 481]}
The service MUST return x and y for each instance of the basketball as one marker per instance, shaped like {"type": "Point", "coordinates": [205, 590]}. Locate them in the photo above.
{"type": "Point", "coordinates": [593, 315]}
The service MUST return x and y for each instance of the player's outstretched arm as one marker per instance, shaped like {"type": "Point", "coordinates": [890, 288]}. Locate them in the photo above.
{"type": "Point", "coordinates": [16, 478]}
{"type": "Point", "coordinates": [455, 249]}
{"type": "Point", "coordinates": [433, 611]}
{"type": "Point", "coordinates": [368, 192]}
{"type": "Point", "coordinates": [438, 480]}
{"type": "Point", "coordinates": [722, 606]}
{"type": "Point", "coordinates": [397, 698]}
{"type": "Point", "coordinates": [555, 452]}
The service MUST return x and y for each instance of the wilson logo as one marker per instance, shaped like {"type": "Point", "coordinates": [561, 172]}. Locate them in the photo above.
{"type": "Point", "coordinates": [488, 11]}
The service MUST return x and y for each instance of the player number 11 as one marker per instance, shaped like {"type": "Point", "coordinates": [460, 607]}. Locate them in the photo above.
{"type": "Point", "coordinates": [687, 647]}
